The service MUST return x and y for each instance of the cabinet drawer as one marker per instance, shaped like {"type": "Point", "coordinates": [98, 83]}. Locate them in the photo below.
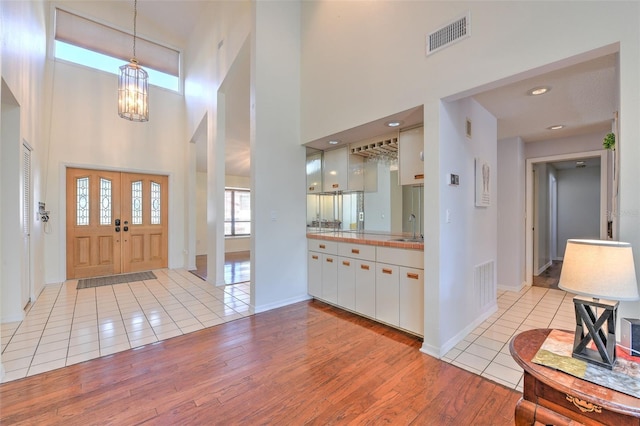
{"type": "Point", "coordinates": [323, 246]}
{"type": "Point", "coordinates": [357, 251]}
{"type": "Point", "coordinates": [584, 411]}
{"type": "Point", "coordinates": [402, 257]}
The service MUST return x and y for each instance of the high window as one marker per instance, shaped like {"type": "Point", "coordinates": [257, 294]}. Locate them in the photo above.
{"type": "Point", "coordinates": [89, 43]}
{"type": "Point", "coordinates": [237, 212]}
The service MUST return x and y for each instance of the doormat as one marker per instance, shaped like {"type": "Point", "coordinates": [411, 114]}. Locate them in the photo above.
{"type": "Point", "coordinates": [115, 279]}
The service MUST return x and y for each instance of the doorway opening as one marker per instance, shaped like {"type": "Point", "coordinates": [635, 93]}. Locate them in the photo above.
{"type": "Point", "coordinates": [567, 196]}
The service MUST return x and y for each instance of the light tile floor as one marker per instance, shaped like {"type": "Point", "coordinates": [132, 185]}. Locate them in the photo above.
{"type": "Point", "coordinates": [66, 326]}
{"type": "Point", "coordinates": [485, 351]}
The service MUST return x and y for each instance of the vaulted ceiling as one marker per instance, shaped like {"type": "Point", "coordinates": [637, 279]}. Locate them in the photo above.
{"type": "Point", "coordinates": [583, 95]}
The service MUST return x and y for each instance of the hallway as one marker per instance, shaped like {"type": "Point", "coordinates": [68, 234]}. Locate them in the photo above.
{"type": "Point", "coordinates": [67, 326]}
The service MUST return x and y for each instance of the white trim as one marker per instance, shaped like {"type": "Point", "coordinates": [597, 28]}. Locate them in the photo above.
{"type": "Point", "coordinates": [281, 303]}
{"type": "Point", "coordinates": [529, 199]}
{"type": "Point", "coordinates": [451, 343]}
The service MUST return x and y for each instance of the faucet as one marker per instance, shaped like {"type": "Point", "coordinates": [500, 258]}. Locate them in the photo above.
{"type": "Point", "coordinates": [412, 219]}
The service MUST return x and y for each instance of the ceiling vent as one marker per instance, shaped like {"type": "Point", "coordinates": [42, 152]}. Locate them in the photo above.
{"type": "Point", "coordinates": [449, 34]}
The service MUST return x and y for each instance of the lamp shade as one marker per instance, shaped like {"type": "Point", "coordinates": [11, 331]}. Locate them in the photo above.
{"type": "Point", "coordinates": [600, 269]}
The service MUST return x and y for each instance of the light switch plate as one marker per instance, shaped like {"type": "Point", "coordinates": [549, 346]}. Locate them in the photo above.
{"type": "Point", "coordinates": [454, 179]}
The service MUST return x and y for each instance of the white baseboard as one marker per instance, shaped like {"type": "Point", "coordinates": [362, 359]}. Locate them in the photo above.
{"type": "Point", "coordinates": [544, 268]}
{"type": "Point", "coordinates": [281, 303]}
{"type": "Point", "coordinates": [451, 343]}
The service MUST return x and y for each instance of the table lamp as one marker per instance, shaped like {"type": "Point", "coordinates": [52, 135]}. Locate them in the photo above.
{"type": "Point", "coordinates": [604, 272]}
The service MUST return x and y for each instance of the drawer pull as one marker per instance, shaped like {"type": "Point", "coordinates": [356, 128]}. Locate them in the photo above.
{"type": "Point", "coordinates": [346, 263]}
{"type": "Point", "coordinates": [412, 275]}
{"type": "Point", "coordinates": [387, 271]}
{"type": "Point", "coordinates": [322, 246]}
{"type": "Point", "coordinates": [314, 257]}
{"type": "Point", "coordinates": [418, 176]}
{"type": "Point", "coordinates": [335, 185]}
{"type": "Point", "coordinates": [355, 251]}
{"type": "Point", "coordinates": [584, 406]}
{"type": "Point", "coordinates": [330, 260]}
{"type": "Point", "coordinates": [365, 267]}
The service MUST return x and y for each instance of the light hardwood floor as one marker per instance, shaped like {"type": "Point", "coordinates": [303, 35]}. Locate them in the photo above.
{"type": "Point", "coordinates": [306, 363]}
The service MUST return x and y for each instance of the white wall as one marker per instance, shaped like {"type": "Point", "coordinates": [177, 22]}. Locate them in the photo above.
{"type": "Point", "coordinates": [542, 251]}
{"type": "Point", "coordinates": [511, 212]}
{"type": "Point", "coordinates": [470, 238]}
{"type": "Point", "coordinates": [22, 68]}
{"type": "Point", "coordinates": [278, 252]}
{"type": "Point", "coordinates": [23, 38]}
{"type": "Point", "coordinates": [86, 131]}
{"type": "Point", "coordinates": [578, 205]}
{"type": "Point", "coordinates": [201, 213]}
{"type": "Point", "coordinates": [363, 81]}
{"type": "Point", "coordinates": [569, 145]}
{"type": "Point", "coordinates": [377, 204]}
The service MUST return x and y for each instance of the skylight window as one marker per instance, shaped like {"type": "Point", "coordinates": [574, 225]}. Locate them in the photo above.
{"type": "Point", "coordinates": [89, 43]}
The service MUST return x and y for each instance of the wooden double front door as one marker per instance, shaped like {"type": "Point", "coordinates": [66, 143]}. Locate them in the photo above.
{"type": "Point", "coordinates": [116, 222]}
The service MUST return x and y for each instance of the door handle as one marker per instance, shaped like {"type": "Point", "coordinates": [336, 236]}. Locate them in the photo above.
{"type": "Point", "coordinates": [125, 229]}
{"type": "Point", "coordinates": [117, 229]}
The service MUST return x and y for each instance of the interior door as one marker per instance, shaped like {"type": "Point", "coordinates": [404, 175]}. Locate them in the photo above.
{"type": "Point", "coordinates": [116, 222]}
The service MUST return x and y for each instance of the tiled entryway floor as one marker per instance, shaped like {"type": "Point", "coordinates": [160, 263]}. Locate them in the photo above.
{"type": "Point", "coordinates": [485, 351]}
{"type": "Point", "coordinates": [66, 326]}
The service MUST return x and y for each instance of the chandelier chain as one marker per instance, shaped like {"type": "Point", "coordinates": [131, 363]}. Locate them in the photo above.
{"type": "Point", "coordinates": [135, 15]}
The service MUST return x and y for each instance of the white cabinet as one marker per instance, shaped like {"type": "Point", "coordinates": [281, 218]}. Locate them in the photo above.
{"type": "Point", "coordinates": [342, 171]}
{"type": "Point", "coordinates": [330, 278]}
{"type": "Point", "coordinates": [383, 283]}
{"type": "Point", "coordinates": [347, 283]}
{"type": "Point", "coordinates": [412, 300]}
{"type": "Point", "coordinates": [314, 273]}
{"type": "Point", "coordinates": [365, 272]}
{"type": "Point", "coordinates": [388, 293]}
{"type": "Point", "coordinates": [410, 156]}
{"type": "Point", "coordinates": [336, 164]}
{"type": "Point", "coordinates": [314, 173]}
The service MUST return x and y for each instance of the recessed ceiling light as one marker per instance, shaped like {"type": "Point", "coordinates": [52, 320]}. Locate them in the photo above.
{"type": "Point", "coordinates": [556, 127]}
{"type": "Point", "coordinates": [334, 142]}
{"type": "Point", "coordinates": [394, 123]}
{"type": "Point", "coordinates": [536, 91]}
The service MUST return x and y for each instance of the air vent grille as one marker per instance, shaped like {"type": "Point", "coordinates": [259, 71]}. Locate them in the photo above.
{"type": "Point", "coordinates": [443, 37]}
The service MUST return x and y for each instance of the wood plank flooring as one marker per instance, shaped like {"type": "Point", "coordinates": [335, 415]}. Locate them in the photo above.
{"type": "Point", "coordinates": [306, 363]}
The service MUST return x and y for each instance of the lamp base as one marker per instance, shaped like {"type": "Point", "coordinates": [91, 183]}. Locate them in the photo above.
{"type": "Point", "coordinates": [600, 330]}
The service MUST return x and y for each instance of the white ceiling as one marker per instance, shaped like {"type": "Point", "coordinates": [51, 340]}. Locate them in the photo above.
{"type": "Point", "coordinates": [582, 96]}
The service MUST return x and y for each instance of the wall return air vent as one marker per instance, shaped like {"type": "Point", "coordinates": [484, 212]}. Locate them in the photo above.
{"type": "Point", "coordinates": [449, 34]}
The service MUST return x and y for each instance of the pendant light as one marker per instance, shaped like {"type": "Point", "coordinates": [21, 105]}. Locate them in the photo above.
{"type": "Point", "coordinates": [133, 85]}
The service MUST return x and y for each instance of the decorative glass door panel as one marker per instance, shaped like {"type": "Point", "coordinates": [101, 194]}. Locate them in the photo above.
{"type": "Point", "coordinates": [116, 222]}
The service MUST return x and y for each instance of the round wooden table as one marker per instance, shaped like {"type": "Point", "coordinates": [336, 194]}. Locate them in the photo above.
{"type": "Point", "coordinates": [554, 397]}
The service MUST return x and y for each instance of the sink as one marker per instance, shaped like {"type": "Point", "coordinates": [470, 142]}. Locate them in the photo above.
{"type": "Point", "coordinates": [409, 240]}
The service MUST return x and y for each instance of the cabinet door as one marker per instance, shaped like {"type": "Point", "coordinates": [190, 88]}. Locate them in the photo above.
{"type": "Point", "coordinates": [388, 293]}
{"type": "Point", "coordinates": [410, 163]}
{"type": "Point", "coordinates": [347, 283]}
{"type": "Point", "coordinates": [314, 274]}
{"type": "Point", "coordinates": [412, 300]}
{"type": "Point", "coordinates": [366, 288]}
{"type": "Point", "coordinates": [336, 170]}
{"type": "Point", "coordinates": [330, 278]}
{"type": "Point", "coordinates": [314, 173]}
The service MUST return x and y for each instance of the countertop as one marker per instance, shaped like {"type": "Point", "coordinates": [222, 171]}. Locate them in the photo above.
{"type": "Point", "coordinates": [381, 239]}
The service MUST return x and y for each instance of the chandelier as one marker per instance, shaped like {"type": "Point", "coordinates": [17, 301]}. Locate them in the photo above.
{"type": "Point", "coordinates": [133, 85]}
